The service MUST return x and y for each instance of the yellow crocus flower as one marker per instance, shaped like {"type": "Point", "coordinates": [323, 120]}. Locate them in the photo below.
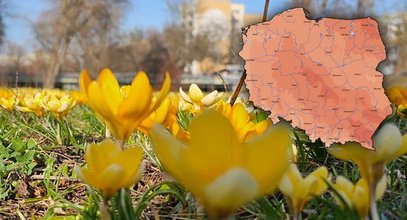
{"type": "Point", "coordinates": [388, 144]}
{"type": "Point", "coordinates": [84, 81]}
{"type": "Point", "coordinates": [166, 115]}
{"type": "Point", "coordinates": [58, 105]}
{"type": "Point", "coordinates": [402, 110]}
{"type": "Point", "coordinates": [156, 117]}
{"type": "Point", "coordinates": [122, 112]}
{"type": "Point", "coordinates": [31, 102]}
{"type": "Point", "coordinates": [109, 168]}
{"type": "Point", "coordinates": [7, 99]}
{"type": "Point", "coordinates": [217, 168]}
{"type": "Point", "coordinates": [357, 196]}
{"type": "Point", "coordinates": [241, 122]}
{"type": "Point", "coordinates": [298, 190]}
{"type": "Point", "coordinates": [196, 100]}
{"type": "Point", "coordinates": [397, 95]}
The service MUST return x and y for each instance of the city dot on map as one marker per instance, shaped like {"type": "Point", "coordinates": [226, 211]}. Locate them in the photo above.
{"type": "Point", "coordinates": [319, 74]}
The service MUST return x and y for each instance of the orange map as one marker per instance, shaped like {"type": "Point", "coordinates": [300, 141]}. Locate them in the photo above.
{"type": "Point", "coordinates": [320, 75]}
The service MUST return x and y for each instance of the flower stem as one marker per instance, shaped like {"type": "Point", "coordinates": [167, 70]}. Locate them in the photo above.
{"type": "Point", "coordinates": [373, 205]}
{"type": "Point", "coordinates": [107, 132]}
{"type": "Point", "coordinates": [103, 208]}
{"type": "Point", "coordinates": [58, 127]}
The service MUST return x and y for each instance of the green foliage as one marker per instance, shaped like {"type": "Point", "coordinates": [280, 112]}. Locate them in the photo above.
{"type": "Point", "coordinates": [28, 148]}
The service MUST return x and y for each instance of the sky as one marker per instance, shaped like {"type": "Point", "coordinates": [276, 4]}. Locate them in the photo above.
{"type": "Point", "coordinates": [147, 14]}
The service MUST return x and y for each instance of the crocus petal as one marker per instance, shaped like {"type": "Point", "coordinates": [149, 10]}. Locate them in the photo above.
{"type": "Point", "coordinates": [168, 151]}
{"type": "Point", "coordinates": [230, 190]}
{"type": "Point", "coordinates": [87, 176]}
{"type": "Point", "coordinates": [99, 103]}
{"type": "Point", "coordinates": [352, 151]}
{"type": "Point", "coordinates": [111, 179]}
{"type": "Point", "coordinates": [262, 126]}
{"type": "Point", "coordinates": [210, 99]}
{"type": "Point", "coordinates": [397, 95]}
{"type": "Point", "coordinates": [387, 141]}
{"type": "Point", "coordinates": [239, 115]}
{"type": "Point", "coordinates": [84, 81]}
{"type": "Point", "coordinates": [320, 174]}
{"type": "Point", "coordinates": [258, 151]}
{"type": "Point", "coordinates": [98, 156]}
{"type": "Point", "coordinates": [163, 92]}
{"type": "Point", "coordinates": [138, 100]}
{"type": "Point", "coordinates": [195, 93]}
{"type": "Point", "coordinates": [110, 89]}
{"type": "Point", "coordinates": [162, 111]}
{"type": "Point", "coordinates": [207, 143]}
{"type": "Point", "coordinates": [403, 147]}
{"type": "Point", "coordinates": [285, 186]}
{"type": "Point", "coordinates": [184, 95]}
{"type": "Point", "coordinates": [128, 160]}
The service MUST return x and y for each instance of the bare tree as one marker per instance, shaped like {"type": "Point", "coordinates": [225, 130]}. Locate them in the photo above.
{"type": "Point", "coordinates": [69, 19]}
{"type": "Point", "coordinates": [96, 38]}
{"type": "Point", "coordinates": [56, 29]}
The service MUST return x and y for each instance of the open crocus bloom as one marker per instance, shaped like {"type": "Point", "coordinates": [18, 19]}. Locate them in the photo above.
{"type": "Point", "coordinates": [357, 196]}
{"type": "Point", "coordinates": [123, 112]}
{"type": "Point", "coordinates": [110, 168]}
{"type": "Point", "coordinates": [196, 100]}
{"type": "Point", "coordinates": [31, 102]}
{"type": "Point", "coordinates": [388, 143]}
{"type": "Point", "coordinates": [299, 190]}
{"type": "Point", "coordinates": [58, 105]}
{"type": "Point", "coordinates": [217, 168]}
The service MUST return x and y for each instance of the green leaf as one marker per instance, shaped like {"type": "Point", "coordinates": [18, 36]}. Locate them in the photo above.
{"type": "Point", "coordinates": [164, 188]}
{"type": "Point", "coordinates": [31, 144]}
{"type": "Point", "coordinates": [18, 145]}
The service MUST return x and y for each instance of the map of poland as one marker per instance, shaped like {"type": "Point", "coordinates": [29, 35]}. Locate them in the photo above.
{"type": "Point", "coordinates": [320, 75]}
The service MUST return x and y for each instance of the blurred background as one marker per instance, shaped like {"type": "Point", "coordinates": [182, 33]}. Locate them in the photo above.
{"type": "Point", "coordinates": [46, 43]}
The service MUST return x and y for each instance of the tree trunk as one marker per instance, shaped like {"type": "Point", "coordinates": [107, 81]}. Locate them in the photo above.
{"type": "Point", "coordinates": [57, 59]}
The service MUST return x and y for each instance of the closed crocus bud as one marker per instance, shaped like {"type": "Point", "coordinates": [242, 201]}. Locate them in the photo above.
{"type": "Point", "coordinates": [222, 172]}
{"type": "Point", "coordinates": [109, 168]}
{"type": "Point", "coordinates": [298, 190]}
{"type": "Point", "coordinates": [357, 196]}
{"type": "Point", "coordinates": [388, 143]}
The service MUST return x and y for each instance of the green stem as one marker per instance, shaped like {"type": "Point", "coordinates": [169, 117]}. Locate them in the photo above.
{"type": "Point", "coordinates": [107, 132]}
{"type": "Point", "coordinates": [58, 127]}
{"type": "Point", "coordinates": [373, 205]}
{"type": "Point", "coordinates": [103, 208]}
